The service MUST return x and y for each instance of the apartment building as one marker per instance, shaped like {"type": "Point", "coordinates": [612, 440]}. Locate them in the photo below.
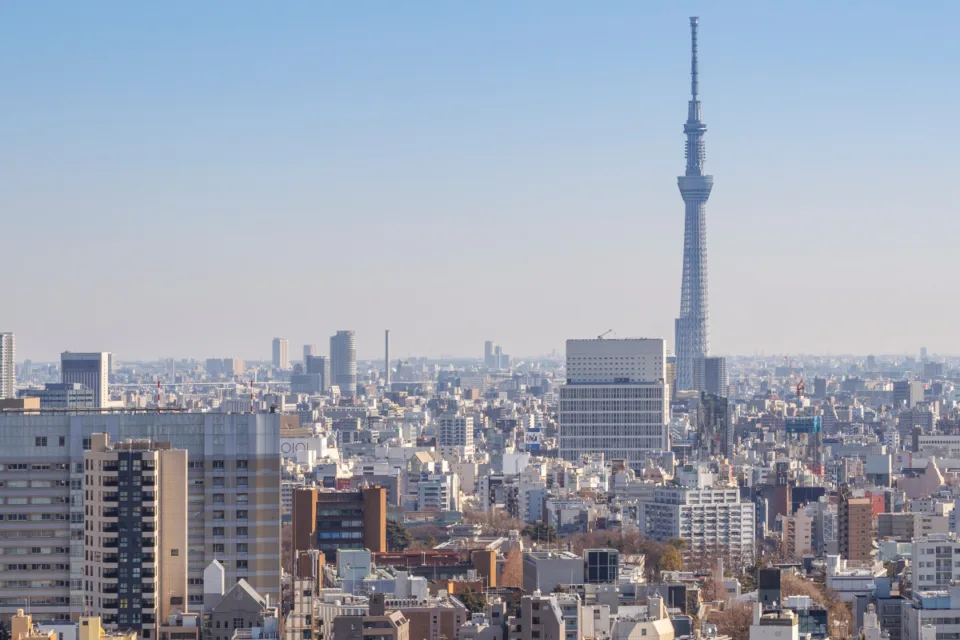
{"type": "Point", "coordinates": [710, 520]}
{"type": "Point", "coordinates": [135, 532]}
{"type": "Point", "coordinates": [233, 501]}
{"type": "Point", "coordinates": [936, 562]}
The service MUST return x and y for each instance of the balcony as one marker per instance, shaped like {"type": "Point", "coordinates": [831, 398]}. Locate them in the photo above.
{"type": "Point", "coordinates": [149, 481]}
{"type": "Point", "coordinates": [149, 604]}
{"type": "Point", "coordinates": [111, 543]}
{"type": "Point", "coordinates": [111, 467]}
{"type": "Point", "coordinates": [149, 496]}
{"type": "Point", "coordinates": [111, 527]}
{"type": "Point", "coordinates": [149, 527]}
{"type": "Point", "coordinates": [111, 482]}
{"type": "Point", "coordinates": [109, 588]}
{"type": "Point", "coordinates": [111, 558]}
{"type": "Point", "coordinates": [111, 513]}
{"type": "Point", "coordinates": [149, 542]}
{"type": "Point", "coordinates": [148, 588]}
{"type": "Point", "coordinates": [148, 558]}
{"type": "Point", "coordinates": [111, 574]}
{"type": "Point", "coordinates": [148, 573]}
{"type": "Point", "coordinates": [149, 512]}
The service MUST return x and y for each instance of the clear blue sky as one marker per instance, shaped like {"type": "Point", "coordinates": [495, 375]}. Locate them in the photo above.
{"type": "Point", "coordinates": [193, 178]}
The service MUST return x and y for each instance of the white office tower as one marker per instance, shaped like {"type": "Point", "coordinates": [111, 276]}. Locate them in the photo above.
{"type": "Point", "coordinates": [8, 366]}
{"type": "Point", "coordinates": [615, 400]}
{"type": "Point", "coordinates": [92, 370]}
{"type": "Point", "coordinates": [281, 353]}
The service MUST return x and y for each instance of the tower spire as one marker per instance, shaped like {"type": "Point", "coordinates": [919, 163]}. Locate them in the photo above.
{"type": "Point", "coordinates": [694, 89]}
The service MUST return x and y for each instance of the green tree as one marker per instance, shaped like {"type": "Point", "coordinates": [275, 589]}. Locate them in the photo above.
{"type": "Point", "coordinates": [670, 560]}
{"type": "Point", "coordinates": [4, 631]}
{"type": "Point", "coordinates": [398, 538]}
{"type": "Point", "coordinates": [473, 601]}
{"type": "Point", "coordinates": [677, 543]}
{"type": "Point", "coordinates": [540, 532]}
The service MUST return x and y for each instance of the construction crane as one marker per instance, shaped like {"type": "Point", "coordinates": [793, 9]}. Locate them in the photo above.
{"type": "Point", "coordinates": [604, 334]}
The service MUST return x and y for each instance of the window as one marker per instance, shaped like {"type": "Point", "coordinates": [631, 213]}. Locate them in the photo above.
{"type": "Point", "coordinates": [241, 547]}
{"type": "Point", "coordinates": [241, 531]}
{"type": "Point", "coordinates": [241, 514]}
{"type": "Point", "coordinates": [63, 443]}
{"type": "Point", "coordinates": [241, 564]}
{"type": "Point", "coordinates": [40, 441]}
{"type": "Point", "coordinates": [218, 531]}
{"type": "Point", "coordinates": [218, 482]}
{"type": "Point", "coordinates": [241, 464]}
{"type": "Point", "coordinates": [218, 515]}
{"type": "Point", "coordinates": [218, 464]}
{"type": "Point", "coordinates": [174, 552]}
{"type": "Point", "coordinates": [218, 548]}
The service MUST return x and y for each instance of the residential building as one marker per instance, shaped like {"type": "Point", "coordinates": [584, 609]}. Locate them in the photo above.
{"type": "Point", "coordinates": [92, 370]}
{"type": "Point", "coordinates": [615, 401]}
{"type": "Point", "coordinates": [855, 527]}
{"type": "Point", "coordinates": [932, 615]}
{"type": "Point", "coordinates": [319, 366]}
{"type": "Point", "coordinates": [8, 366]}
{"type": "Point", "coordinates": [797, 536]}
{"type": "Point", "coordinates": [546, 570]}
{"type": "Point", "coordinates": [377, 624]}
{"type": "Point", "coordinates": [343, 362]}
{"type": "Point", "coordinates": [233, 500]}
{"type": "Point", "coordinates": [135, 543]}
{"type": "Point", "coordinates": [281, 353]}
{"type": "Point", "coordinates": [936, 562]}
{"type": "Point", "coordinates": [241, 607]}
{"type": "Point", "coordinates": [540, 617]}
{"type": "Point", "coordinates": [455, 435]}
{"type": "Point", "coordinates": [776, 625]}
{"type": "Point", "coordinates": [711, 520]}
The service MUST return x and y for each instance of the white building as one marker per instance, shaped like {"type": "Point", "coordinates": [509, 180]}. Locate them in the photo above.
{"type": "Point", "coordinates": [92, 370]}
{"type": "Point", "coordinates": [781, 625]}
{"type": "Point", "coordinates": [936, 562]}
{"type": "Point", "coordinates": [615, 400]}
{"type": "Point", "coordinates": [932, 615]}
{"type": "Point", "coordinates": [709, 519]}
{"type": "Point", "coordinates": [8, 366]}
{"type": "Point", "coordinates": [455, 435]}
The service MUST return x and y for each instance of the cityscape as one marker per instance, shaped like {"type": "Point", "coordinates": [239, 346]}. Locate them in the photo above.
{"type": "Point", "coordinates": [618, 487]}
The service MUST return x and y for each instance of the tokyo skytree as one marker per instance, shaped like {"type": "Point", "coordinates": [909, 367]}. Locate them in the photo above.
{"type": "Point", "coordinates": [693, 326]}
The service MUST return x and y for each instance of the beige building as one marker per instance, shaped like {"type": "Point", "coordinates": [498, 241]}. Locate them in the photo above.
{"type": "Point", "coordinates": [233, 502]}
{"type": "Point", "coordinates": [22, 628]}
{"type": "Point", "coordinates": [797, 537]}
{"type": "Point", "coordinates": [135, 540]}
{"type": "Point", "coordinates": [90, 628]}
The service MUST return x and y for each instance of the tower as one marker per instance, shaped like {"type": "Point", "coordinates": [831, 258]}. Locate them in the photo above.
{"type": "Point", "coordinates": [281, 358]}
{"type": "Point", "coordinates": [343, 362]}
{"type": "Point", "coordinates": [693, 326]}
{"type": "Point", "coordinates": [386, 358]}
{"type": "Point", "coordinates": [8, 364]}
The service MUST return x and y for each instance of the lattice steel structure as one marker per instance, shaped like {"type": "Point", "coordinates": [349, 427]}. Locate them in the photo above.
{"type": "Point", "coordinates": [693, 326]}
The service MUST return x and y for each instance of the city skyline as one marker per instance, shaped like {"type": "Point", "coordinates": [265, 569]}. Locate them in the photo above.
{"type": "Point", "coordinates": [566, 118]}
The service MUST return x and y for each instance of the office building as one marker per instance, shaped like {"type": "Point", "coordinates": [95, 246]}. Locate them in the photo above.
{"type": "Point", "coordinates": [489, 355]}
{"type": "Point", "coordinates": [309, 350]}
{"type": "Point", "coordinates": [333, 520]}
{"type": "Point", "coordinates": [220, 367]}
{"type": "Point", "coordinates": [281, 353]}
{"type": "Point", "coordinates": [233, 499]}
{"type": "Point", "coordinates": [780, 624]}
{"type": "Point", "coordinates": [546, 570]}
{"type": "Point", "coordinates": [343, 362]}
{"type": "Point", "coordinates": [855, 527]}
{"type": "Point", "coordinates": [455, 435]}
{"type": "Point", "coordinates": [63, 396]}
{"type": "Point", "coordinates": [711, 520]}
{"type": "Point", "coordinates": [8, 366]}
{"type": "Point", "coordinates": [717, 431]}
{"type": "Point", "coordinates": [135, 532]}
{"type": "Point", "coordinates": [692, 327]}
{"type": "Point", "coordinates": [710, 375]}
{"type": "Point", "coordinates": [615, 400]}
{"type": "Point", "coordinates": [92, 370]}
{"type": "Point", "coordinates": [907, 393]}
{"type": "Point", "coordinates": [319, 366]}
{"type": "Point", "coordinates": [602, 566]}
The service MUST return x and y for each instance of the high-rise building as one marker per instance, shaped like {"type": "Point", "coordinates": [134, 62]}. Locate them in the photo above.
{"type": "Point", "coordinates": [489, 354]}
{"type": "Point", "coordinates": [233, 499]}
{"type": "Point", "coordinates": [455, 434]}
{"type": "Point", "coordinates": [717, 433]}
{"type": "Point", "coordinates": [63, 396]}
{"type": "Point", "coordinates": [135, 547]}
{"type": "Point", "coordinates": [693, 325]}
{"type": "Point", "coordinates": [854, 526]}
{"type": "Point", "coordinates": [907, 393]}
{"type": "Point", "coordinates": [8, 366]}
{"type": "Point", "coordinates": [615, 401]}
{"type": "Point", "coordinates": [386, 358]}
{"type": "Point", "coordinates": [319, 366]}
{"type": "Point", "coordinates": [710, 375]}
{"type": "Point", "coordinates": [281, 353]}
{"type": "Point", "coordinates": [309, 350]}
{"type": "Point", "coordinates": [343, 362]}
{"type": "Point", "coordinates": [92, 370]}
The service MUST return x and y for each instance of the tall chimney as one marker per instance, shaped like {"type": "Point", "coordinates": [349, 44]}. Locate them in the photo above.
{"type": "Point", "coordinates": [386, 357]}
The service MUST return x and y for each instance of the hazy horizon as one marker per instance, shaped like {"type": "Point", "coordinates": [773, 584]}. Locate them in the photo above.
{"type": "Point", "coordinates": [195, 179]}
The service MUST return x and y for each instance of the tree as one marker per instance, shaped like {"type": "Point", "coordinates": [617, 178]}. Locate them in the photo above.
{"type": "Point", "coordinates": [472, 600]}
{"type": "Point", "coordinates": [670, 560]}
{"type": "Point", "coordinates": [398, 538]}
{"type": "Point", "coordinates": [680, 544]}
{"type": "Point", "coordinates": [495, 522]}
{"type": "Point", "coordinates": [734, 621]}
{"type": "Point", "coordinates": [540, 532]}
{"type": "Point", "coordinates": [4, 631]}
{"type": "Point", "coordinates": [512, 575]}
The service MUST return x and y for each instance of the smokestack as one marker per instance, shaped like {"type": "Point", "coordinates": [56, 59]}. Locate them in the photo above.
{"type": "Point", "coordinates": [386, 357]}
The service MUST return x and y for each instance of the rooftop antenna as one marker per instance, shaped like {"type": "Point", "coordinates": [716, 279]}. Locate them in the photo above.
{"type": "Point", "coordinates": [694, 88]}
